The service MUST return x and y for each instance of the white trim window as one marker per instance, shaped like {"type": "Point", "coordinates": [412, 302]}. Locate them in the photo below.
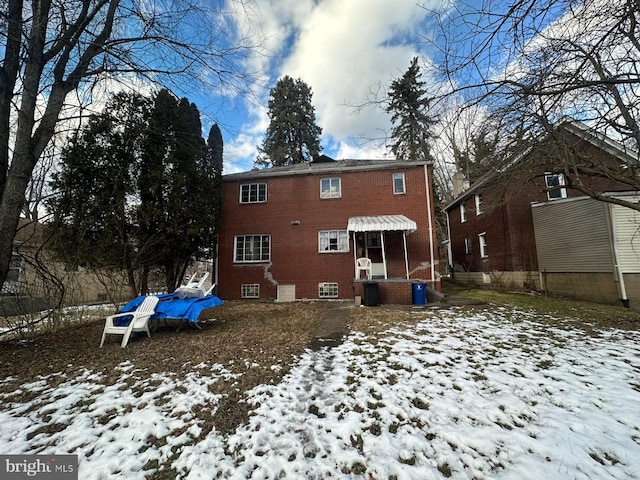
{"type": "Point", "coordinates": [252, 248]}
{"type": "Point", "coordinates": [328, 290]}
{"type": "Point", "coordinates": [468, 246]}
{"type": "Point", "coordinates": [330, 188]}
{"type": "Point", "coordinates": [482, 240]}
{"type": "Point", "coordinates": [333, 241]}
{"type": "Point", "coordinates": [478, 200]}
{"type": "Point", "coordinates": [463, 213]}
{"type": "Point", "coordinates": [398, 184]}
{"type": "Point", "coordinates": [253, 193]}
{"type": "Point", "coordinates": [553, 181]}
{"type": "Point", "coordinates": [250, 290]}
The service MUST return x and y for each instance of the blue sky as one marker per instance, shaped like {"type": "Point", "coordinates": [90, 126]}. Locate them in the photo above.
{"type": "Point", "coordinates": [343, 49]}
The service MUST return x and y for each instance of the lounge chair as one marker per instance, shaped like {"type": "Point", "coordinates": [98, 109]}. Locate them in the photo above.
{"type": "Point", "coordinates": [138, 323]}
{"type": "Point", "coordinates": [194, 287]}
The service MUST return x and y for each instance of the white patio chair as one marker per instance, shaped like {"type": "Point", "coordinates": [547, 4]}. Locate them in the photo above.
{"type": "Point", "coordinates": [363, 264]}
{"type": "Point", "coordinates": [139, 322]}
{"type": "Point", "coordinates": [194, 287]}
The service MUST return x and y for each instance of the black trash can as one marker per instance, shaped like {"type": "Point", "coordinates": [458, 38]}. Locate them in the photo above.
{"type": "Point", "coordinates": [419, 293]}
{"type": "Point", "coordinates": [370, 294]}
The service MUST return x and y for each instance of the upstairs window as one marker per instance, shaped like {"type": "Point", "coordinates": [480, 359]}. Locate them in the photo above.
{"type": "Point", "coordinates": [398, 184]}
{"type": "Point", "coordinates": [463, 213]}
{"type": "Point", "coordinates": [478, 199]}
{"type": "Point", "coordinates": [333, 241]}
{"type": "Point", "coordinates": [253, 193]}
{"type": "Point", "coordinates": [330, 188]}
{"type": "Point", "coordinates": [554, 181]}
{"type": "Point", "coordinates": [252, 248]}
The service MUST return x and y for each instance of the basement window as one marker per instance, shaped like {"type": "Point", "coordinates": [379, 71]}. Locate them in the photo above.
{"type": "Point", "coordinates": [250, 290]}
{"type": "Point", "coordinates": [328, 290]}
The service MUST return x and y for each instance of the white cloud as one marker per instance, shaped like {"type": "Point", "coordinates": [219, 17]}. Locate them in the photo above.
{"type": "Point", "coordinates": [342, 50]}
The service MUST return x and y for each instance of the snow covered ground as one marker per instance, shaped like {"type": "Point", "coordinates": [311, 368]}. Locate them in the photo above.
{"type": "Point", "coordinates": [492, 393]}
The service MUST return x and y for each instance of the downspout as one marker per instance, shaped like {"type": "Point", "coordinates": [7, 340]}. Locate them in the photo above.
{"type": "Point", "coordinates": [406, 258]}
{"type": "Point", "coordinates": [355, 255]}
{"type": "Point", "coordinates": [449, 249]}
{"type": "Point", "coordinates": [430, 223]}
{"type": "Point", "coordinates": [616, 257]}
{"type": "Point", "coordinates": [384, 256]}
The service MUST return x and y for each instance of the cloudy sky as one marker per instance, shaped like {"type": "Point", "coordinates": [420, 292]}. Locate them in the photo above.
{"type": "Point", "coordinates": [344, 50]}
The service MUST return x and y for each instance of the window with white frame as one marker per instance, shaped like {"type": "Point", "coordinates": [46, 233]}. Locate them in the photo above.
{"type": "Point", "coordinates": [478, 200]}
{"type": "Point", "coordinates": [253, 193]}
{"type": "Point", "coordinates": [398, 184]}
{"type": "Point", "coordinates": [333, 241]}
{"type": "Point", "coordinates": [482, 239]}
{"type": "Point", "coordinates": [554, 182]}
{"type": "Point", "coordinates": [328, 290]}
{"type": "Point", "coordinates": [250, 290]}
{"type": "Point", "coordinates": [252, 248]}
{"type": "Point", "coordinates": [330, 188]}
{"type": "Point", "coordinates": [467, 246]}
{"type": "Point", "coordinates": [463, 213]}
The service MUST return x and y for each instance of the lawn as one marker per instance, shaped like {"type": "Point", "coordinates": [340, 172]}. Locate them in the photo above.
{"type": "Point", "coordinates": [518, 388]}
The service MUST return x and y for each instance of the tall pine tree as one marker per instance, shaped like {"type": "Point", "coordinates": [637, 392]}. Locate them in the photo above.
{"type": "Point", "coordinates": [213, 167]}
{"type": "Point", "coordinates": [412, 126]}
{"type": "Point", "coordinates": [173, 206]}
{"type": "Point", "coordinates": [292, 135]}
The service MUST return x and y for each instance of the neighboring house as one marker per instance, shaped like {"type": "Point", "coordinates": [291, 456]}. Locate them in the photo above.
{"type": "Point", "coordinates": [510, 235]}
{"type": "Point", "coordinates": [604, 241]}
{"type": "Point", "coordinates": [36, 281]}
{"type": "Point", "coordinates": [296, 232]}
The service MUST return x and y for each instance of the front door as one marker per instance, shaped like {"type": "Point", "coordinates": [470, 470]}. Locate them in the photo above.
{"type": "Point", "coordinates": [374, 252]}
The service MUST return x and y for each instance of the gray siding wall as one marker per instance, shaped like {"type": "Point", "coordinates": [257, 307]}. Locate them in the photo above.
{"type": "Point", "coordinates": [573, 236]}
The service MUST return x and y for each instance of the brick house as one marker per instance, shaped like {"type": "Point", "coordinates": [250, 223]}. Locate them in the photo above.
{"type": "Point", "coordinates": [493, 238]}
{"type": "Point", "coordinates": [296, 232]}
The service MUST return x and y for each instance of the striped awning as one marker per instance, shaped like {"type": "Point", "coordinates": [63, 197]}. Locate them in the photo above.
{"type": "Point", "coordinates": [381, 223]}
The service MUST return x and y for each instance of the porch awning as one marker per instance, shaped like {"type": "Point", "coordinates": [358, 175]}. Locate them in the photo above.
{"type": "Point", "coordinates": [381, 223]}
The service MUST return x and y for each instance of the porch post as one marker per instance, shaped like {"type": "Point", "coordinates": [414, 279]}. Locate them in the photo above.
{"type": "Point", "coordinates": [384, 256]}
{"type": "Point", "coordinates": [355, 255]}
{"type": "Point", "coordinates": [406, 258]}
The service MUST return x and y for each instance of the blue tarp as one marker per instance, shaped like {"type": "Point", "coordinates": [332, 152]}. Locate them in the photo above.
{"type": "Point", "coordinates": [171, 307]}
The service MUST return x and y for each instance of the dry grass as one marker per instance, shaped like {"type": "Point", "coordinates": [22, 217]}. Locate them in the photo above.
{"type": "Point", "coordinates": [247, 338]}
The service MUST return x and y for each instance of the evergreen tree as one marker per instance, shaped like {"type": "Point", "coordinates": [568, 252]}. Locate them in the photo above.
{"type": "Point", "coordinates": [173, 207]}
{"type": "Point", "coordinates": [412, 126]}
{"type": "Point", "coordinates": [213, 166]}
{"type": "Point", "coordinates": [292, 136]}
{"type": "Point", "coordinates": [93, 225]}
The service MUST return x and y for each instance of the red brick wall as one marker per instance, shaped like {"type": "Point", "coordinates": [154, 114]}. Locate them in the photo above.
{"type": "Point", "coordinates": [294, 248]}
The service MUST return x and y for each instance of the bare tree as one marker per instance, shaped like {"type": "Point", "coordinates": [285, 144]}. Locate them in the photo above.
{"type": "Point", "coordinates": [56, 48]}
{"type": "Point", "coordinates": [529, 63]}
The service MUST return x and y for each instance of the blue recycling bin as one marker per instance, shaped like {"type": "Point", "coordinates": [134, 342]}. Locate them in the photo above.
{"type": "Point", "coordinates": [419, 293]}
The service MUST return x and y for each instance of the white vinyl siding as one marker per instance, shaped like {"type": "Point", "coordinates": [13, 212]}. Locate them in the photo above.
{"type": "Point", "coordinates": [627, 223]}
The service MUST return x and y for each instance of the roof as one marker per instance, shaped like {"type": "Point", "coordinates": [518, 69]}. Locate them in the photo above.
{"type": "Point", "coordinates": [381, 223]}
{"type": "Point", "coordinates": [575, 127]}
{"type": "Point", "coordinates": [29, 232]}
{"type": "Point", "coordinates": [322, 168]}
